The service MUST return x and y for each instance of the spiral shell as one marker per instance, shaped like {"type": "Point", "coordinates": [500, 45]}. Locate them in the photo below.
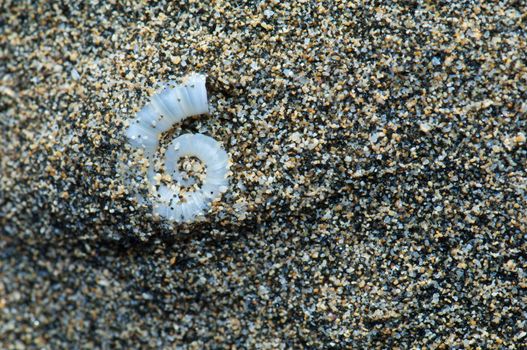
{"type": "Point", "coordinates": [169, 106]}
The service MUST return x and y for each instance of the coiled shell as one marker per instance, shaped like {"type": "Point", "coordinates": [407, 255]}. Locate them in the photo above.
{"type": "Point", "coordinates": [166, 108]}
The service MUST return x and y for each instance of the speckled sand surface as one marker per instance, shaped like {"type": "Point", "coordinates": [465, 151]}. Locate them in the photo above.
{"type": "Point", "coordinates": [378, 196]}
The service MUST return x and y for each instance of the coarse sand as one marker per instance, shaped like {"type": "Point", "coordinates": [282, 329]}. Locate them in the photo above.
{"type": "Point", "coordinates": [378, 196]}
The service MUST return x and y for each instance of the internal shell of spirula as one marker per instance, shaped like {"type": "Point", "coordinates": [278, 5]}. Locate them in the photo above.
{"type": "Point", "coordinates": [166, 108]}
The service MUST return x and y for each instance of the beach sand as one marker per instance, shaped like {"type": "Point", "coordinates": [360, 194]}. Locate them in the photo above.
{"type": "Point", "coordinates": [378, 196]}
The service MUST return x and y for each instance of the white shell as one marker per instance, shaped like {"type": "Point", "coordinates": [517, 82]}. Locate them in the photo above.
{"type": "Point", "coordinates": [216, 161]}
{"type": "Point", "coordinates": [169, 106]}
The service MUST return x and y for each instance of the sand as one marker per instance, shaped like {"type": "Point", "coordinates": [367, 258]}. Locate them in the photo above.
{"type": "Point", "coordinates": [378, 196]}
